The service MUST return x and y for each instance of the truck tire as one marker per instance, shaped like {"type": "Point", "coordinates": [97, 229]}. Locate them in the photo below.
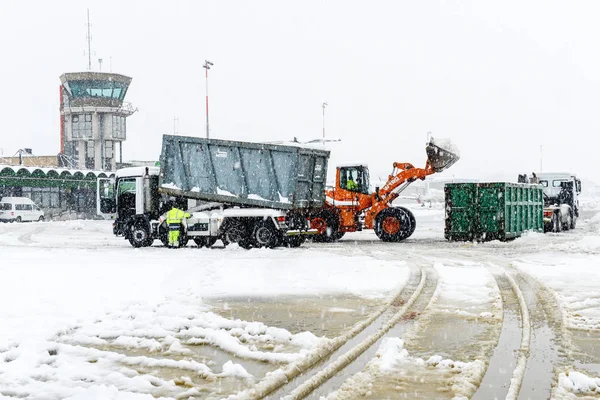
{"type": "Point", "coordinates": [393, 225]}
{"type": "Point", "coordinates": [567, 225]}
{"type": "Point", "coordinates": [163, 234]}
{"type": "Point", "coordinates": [327, 223]}
{"type": "Point", "coordinates": [556, 224]}
{"type": "Point", "coordinates": [233, 232]}
{"type": "Point", "coordinates": [139, 236]}
{"type": "Point", "coordinates": [294, 241]}
{"type": "Point", "coordinates": [264, 234]}
{"type": "Point", "coordinates": [573, 222]}
{"type": "Point", "coordinates": [205, 241]}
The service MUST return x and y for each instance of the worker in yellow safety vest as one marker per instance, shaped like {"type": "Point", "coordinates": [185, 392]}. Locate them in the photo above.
{"type": "Point", "coordinates": [175, 217]}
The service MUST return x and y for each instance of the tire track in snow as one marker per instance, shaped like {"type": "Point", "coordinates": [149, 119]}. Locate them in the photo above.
{"type": "Point", "coordinates": [497, 383]}
{"type": "Point", "coordinates": [344, 361]}
{"type": "Point", "coordinates": [398, 328]}
{"type": "Point", "coordinates": [295, 374]}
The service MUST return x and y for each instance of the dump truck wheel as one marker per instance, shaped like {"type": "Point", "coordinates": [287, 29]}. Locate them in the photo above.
{"type": "Point", "coordinates": [326, 222]}
{"type": "Point", "coordinates": [200, 241]}
{"type": "Point", "coordinates": [264, 234]}
{"type": "Point", "coordinates": [163, 234]}
{"type": "Point", "coordinates": [393, 225]}
{"type": "Point", "coordinates": [233, 233]}
{"type": "Point", "coordinates": [294, 241]}
{"type": "Point", "coordinates": [139, 235]}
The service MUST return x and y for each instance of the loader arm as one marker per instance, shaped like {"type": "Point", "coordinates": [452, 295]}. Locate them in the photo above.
{"type": "Point", "coordinates": [402, 175]}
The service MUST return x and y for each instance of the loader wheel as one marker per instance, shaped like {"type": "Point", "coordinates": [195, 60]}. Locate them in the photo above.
{"type": "Point", "coordinates": [393, 225]}
{"type": "Point", "coordinates": [139, 235]}
{"type": "Point", "coordinates": [264, 234]}
{"type": "Point", "coordinates": [411, 220]}
{"type": "Point", "coordinates": [327, 223]}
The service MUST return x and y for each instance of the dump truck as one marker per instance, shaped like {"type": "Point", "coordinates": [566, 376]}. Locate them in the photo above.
{"type": "Point", "coordinates": [252, 194]}
{"type": "Point", "coordinates": [351, 206]}
{"type": "Point", "coordinates": [561, 203]}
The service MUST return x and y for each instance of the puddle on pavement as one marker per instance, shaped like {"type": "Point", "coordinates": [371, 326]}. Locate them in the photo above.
{"type": "Point", "coordinates": [587, 358]}
{"type": "Point", "coordinates": [451, 337]}
{"type": "Point", "coordinates": [446, 335]}
{"type": "Point", "coordinates": [327, 316]}
{"type": "Point", "coordinates": [410, 383]}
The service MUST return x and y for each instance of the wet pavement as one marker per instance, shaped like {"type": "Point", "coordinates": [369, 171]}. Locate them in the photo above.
{"type": "Point", "coordinates": [326, 316]}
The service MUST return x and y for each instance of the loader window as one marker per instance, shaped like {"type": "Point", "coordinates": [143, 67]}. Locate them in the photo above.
{"type": "Point", "coordinates": [355, 179]}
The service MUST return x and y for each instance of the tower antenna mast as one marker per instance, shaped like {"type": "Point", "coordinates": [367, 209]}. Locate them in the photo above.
{"type": "Point", "coordinates": [89, 40]}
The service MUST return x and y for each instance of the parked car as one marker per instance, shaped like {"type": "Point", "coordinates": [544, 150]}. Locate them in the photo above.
{"type": "Point", "coordinates": [19, 209]}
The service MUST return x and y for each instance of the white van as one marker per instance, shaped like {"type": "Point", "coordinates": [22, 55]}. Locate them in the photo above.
{"type": "Point", "coordinates": [19, 209]}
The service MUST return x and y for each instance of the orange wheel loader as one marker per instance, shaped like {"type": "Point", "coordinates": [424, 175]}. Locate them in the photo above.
{"type": "Point", "coordinates": [351, 207]}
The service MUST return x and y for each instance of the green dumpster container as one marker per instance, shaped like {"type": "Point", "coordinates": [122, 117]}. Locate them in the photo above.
{"type": "Point", "coordinates": [495, 210]}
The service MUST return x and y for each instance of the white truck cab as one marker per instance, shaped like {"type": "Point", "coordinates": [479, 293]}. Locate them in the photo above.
{"type": "Point", "coordinates": [561, 202]}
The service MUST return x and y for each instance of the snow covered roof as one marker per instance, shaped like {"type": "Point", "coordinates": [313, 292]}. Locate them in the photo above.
{"type": "Point", "coordinates": [59, 171]}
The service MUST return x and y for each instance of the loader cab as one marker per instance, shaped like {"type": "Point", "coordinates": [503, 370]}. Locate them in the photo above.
{"type": "Point", "coordinates": [359, 174]}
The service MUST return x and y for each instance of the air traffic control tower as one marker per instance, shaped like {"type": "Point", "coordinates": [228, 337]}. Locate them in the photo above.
{"type": "Point", "coordinates": [93, 119]}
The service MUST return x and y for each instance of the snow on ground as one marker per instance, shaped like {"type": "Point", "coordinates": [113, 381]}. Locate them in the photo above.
{"type": "Point", "coordinates": [85, 315]}
{"type": "Point", "coordinates": [78, 306]}
{"type": "Point", "coordinates": [467, 290]}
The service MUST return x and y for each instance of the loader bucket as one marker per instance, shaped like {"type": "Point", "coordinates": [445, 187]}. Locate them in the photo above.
{"type": "Point", "coordinates": [442, 154]}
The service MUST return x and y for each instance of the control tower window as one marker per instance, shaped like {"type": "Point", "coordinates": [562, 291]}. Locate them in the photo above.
{"type": "Point", "coordinates": [98, 88]}
{"type": "Point", "coordinates": [81, 126]}
{"type": "Point", "coordinates": [118, 126]}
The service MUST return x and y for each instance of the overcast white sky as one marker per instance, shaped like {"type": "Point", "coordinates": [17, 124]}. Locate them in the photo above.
{"type": "Point", "coordinates": [500, 78]}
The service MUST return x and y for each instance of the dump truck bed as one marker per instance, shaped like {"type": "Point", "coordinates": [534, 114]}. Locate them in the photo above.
{"type": "Point", "coordinates": [243, 173]}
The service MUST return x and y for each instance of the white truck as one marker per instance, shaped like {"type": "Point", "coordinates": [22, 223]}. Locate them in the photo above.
{"type": "Point", "coordinates": [134, 202]}
{"type": "Point", "coordinates": [253, 194]}
{"type": "Point", "coordinates": [561, 203]}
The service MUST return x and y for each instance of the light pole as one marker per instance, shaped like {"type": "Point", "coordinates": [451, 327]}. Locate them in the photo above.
{"type": "Point", "coordinates": [207, 65]}
{"type": "Point", "coordinates": [324, 105]}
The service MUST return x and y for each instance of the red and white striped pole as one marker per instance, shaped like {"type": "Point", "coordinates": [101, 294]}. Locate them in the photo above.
{"type": "Point", "coordinates": [207, 65]}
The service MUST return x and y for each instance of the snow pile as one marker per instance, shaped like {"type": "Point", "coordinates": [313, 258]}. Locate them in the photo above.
{"type": "Point", "coordinates": [578, 383]}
